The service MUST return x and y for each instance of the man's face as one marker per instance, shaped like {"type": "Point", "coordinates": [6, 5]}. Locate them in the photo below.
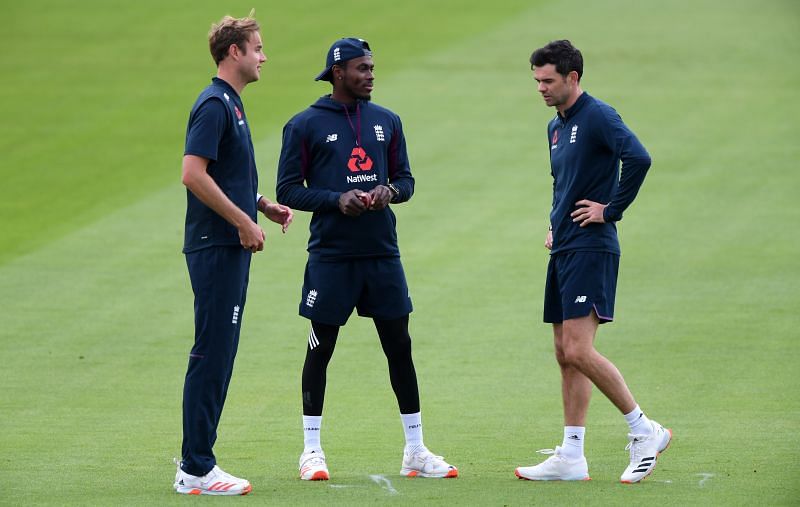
{"type": "Point", "coordinates": [253, 57]}
{"type": "Point", "coordinates": [554, 87]}
{"type": "Point", "coordinates": [357, 77]}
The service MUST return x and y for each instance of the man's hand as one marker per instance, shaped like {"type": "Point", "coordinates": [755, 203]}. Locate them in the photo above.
{"type": "Point", "coordinates": [590, 213]}
{"type": "Point", "coordinates": [251, 236]}
{"type": "Point", "coordinates": [352, 203]}
{"type": "Point", "coordinates": [548, 241]}
{"type": "Point", "coordinates": [381, 196]}
{"type": "Point", "coordinates": [278, 213]}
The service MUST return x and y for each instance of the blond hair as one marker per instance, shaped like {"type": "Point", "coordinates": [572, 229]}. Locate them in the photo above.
{"type": "Point", "coordinates": [229, 31]}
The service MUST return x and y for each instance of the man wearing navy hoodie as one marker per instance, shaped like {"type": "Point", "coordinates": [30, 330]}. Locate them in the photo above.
{"type": "Point", "coordinates": [344, 159]}
{"type": "Point", "coordinates": [588, 140]}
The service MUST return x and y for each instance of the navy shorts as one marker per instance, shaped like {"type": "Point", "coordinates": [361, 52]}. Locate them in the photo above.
{"type": "Point", "coordinates": [376, 287]}
{"type": "Point", "coordinates": [579, 282]}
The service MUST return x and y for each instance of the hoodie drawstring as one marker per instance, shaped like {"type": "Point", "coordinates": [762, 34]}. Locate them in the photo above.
{"type": "Point", "coordinates": [357, 133]}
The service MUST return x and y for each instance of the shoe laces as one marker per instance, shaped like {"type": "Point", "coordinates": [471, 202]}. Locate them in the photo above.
{"type": "Point", "coordinates": [553, 453]}
{"type": "Point", "coordinates": [425, 456]}
{"type": "Point", "coordinates": [635, 445]}
{"type": "Point", "coordinates": [314, 459]}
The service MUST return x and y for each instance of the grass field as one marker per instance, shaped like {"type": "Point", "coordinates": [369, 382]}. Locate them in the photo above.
{"type": "Point", "coordinates": [96, 308]}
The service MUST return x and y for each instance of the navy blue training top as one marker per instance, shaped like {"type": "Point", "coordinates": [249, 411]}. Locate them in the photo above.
{"type": "Point", "coordinates": [218, 131]}
{"type": "Point", "coordinates": [587, 144]}
{"type": "Point", "coordinates": [329, 149]}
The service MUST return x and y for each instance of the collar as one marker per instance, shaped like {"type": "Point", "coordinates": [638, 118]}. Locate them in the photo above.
{"type": "Point", "coordinates": [224, 84]}
{"type": "Point", "coordinates": [572, 111]}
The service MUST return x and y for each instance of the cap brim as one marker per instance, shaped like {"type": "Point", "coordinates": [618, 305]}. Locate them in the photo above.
{"type": "Point", "coordinates": [325, 75]}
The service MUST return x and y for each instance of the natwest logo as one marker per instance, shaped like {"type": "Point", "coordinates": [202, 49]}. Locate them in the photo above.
{"type": "Point", "coordinates": [359, 160]}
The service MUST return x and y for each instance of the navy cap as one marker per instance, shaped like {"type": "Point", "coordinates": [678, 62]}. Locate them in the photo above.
{"type": "Point", "coordinates": [341, 51]}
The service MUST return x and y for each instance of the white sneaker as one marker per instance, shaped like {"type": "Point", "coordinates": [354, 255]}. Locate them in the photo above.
{"type": "Point", "coordinates": [556, 468]}
{"type": "Point", "coordinates": [215, 482]}
{"type": "Point", "coordinates": [644, 452]}
{"type": "Point", "coordinates": [313, 467]}
{"type": "Point", "coordinates": [423, 463]}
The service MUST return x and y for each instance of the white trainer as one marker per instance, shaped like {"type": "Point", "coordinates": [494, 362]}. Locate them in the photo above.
{"type": "Point", "coordinates": [313, 467]}
{"type": "Point", "coordinates": [644, 451]}
{"type": "Point", "coordinates": [423, 463]}
{"type": "Point", "coordinates": [556, 468]}
{"type": "Point", "coordinates": [215, 482]}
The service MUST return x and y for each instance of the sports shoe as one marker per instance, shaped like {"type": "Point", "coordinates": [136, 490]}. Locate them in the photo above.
{"type": "Point", "coordinates": [423, 463]}
{"type": "Point", "coordinates": [215, 482]}
{"type": "Point", "coordinates": [644, 452]}
{"type": "Point", "coordinates": [313, 467]}
{"type": "Point", "coordinates": [555, 468]}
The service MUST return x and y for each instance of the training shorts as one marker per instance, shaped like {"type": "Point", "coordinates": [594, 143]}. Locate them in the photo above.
{"type": "Point", "coordinates": [579, 283]}
{"type": "Point", "coordinates": [375, 286]}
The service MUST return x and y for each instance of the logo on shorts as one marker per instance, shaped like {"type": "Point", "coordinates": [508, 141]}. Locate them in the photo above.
{"type": "Point", "coordinates": [235, 318]}
{"type": "Point", "coordinates": [311, 298]}
{"type": "Point", "coordinates": [313, 341]}
{"type": "Point", "coordinates": [580, 299]}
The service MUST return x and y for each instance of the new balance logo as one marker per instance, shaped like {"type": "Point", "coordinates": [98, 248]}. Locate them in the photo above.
{"type": "Point", "coordinates": [331, 138]}
{"type": "Point", "coordinates": [313, 341]}
{"type": "Point", "coordinates": [235, 318]}
{"type": "Point", "coordinates": [311, 298]}
{"type": "Point", "coordinates": [580, 299]}
{"type": "Point", "coordinates": [379, 132]}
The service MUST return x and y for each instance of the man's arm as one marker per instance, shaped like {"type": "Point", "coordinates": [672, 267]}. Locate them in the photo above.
{"type": "Point", "coordinates": [278, 213]}
{"type": "Point", "coordinates": [635, 164]}
{"type": "Point", "coordinates": [196, 179]}
{"type": "Point", "coordinates": [292, 169]}
{"type": "Point", "coordinates": [400, 178]}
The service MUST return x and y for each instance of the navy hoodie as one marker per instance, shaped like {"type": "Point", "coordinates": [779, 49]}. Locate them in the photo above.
{"type": "Point", "coordinates": [587, 145]}
{"type": "Point", "coordinates": [329, 149]}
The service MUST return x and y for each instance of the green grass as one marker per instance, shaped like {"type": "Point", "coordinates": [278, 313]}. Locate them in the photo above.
{"type": "Point", "coordinates": [95, 305]}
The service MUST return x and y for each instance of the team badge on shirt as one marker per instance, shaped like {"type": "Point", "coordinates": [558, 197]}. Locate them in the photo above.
{"type": "Point", "coordinates": [238, 115]}
{"type": "Point", "coordinates": [554, 143]}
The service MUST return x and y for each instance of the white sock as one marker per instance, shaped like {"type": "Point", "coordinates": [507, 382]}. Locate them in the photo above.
{"type": "Point", "coordinates": [638, 422]}
{"type": "Point", "coordinates": [311, 428]}
{"type": "Point", "coordinates": [412, 427]}
{"type": "Point", "coordinates": [572, 446]}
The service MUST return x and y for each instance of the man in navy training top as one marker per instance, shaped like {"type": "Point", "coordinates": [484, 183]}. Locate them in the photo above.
{"type": "Point", "coordinates": [344, 158]}
{"type": "Point", "coordinates": [219, 172]}
{"type": "Point", "coordinates": [587, 141]}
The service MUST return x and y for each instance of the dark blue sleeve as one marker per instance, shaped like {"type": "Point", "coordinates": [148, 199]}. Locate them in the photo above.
{"type": "Point", "coordinates": [292, 167]}
{"type": "Point", "coordinates": [635, 163]}
{"type": "Point", "coordinates": [206, 128]}
{"type": "Point", "coordinates": [399, 167]}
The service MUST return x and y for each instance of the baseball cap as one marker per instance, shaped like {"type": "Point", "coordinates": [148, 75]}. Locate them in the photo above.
{"type": "Point", "coordinates": [341, 51]}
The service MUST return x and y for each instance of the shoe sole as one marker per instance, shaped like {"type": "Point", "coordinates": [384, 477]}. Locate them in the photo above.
{"type": "Point", "coordinates": [655, 462]}
{"type": "Point", "coordinates": [516, 472]}
{"type": "Point", "coordinates": [451, 474]}
{"type": "Point", "coordinates": [199, 491]}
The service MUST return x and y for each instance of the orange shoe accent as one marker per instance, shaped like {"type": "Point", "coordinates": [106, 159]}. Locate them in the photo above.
{"type": "Point", "coordinates": [247, 490]}
{"type": "Point", "coordinates": [452, 474]}
{"type": "Point", "coordinates": [413, 473]}
{"type": "Point", "coordinates": [322, 475]}
{"type": "Point", "coordinates": [195, 492]}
